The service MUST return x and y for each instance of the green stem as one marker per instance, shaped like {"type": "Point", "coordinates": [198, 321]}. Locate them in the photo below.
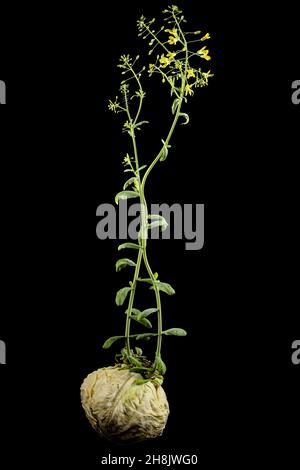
{"type": "Point", "coordinates": [144, 213]}
{"type": "Point", "coordinates": [140, 254]}
{"type": "Point", "coordinates": [156, 38]}
{"type": "Point", "coordinates": [150, 168]}
{"type": "Point", "coordinates": [131, 300]}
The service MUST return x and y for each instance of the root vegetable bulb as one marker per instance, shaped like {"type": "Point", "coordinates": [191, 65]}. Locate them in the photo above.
{"type": "Point", "coordinates": [121, 410]}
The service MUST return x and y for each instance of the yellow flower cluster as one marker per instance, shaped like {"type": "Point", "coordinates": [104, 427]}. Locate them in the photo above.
{"type": "Point", "coordinates": [174, 38]}
{"type": "Point", "coordinates": [204, 53]}
{"type": "Point", "coordinates": [188, 90]}
{"type": "Point", "coordinates": [166, 60]}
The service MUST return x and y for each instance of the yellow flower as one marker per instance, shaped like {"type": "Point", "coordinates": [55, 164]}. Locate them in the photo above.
{"type": "Point", "coordinates": [207, 36]}
{"type": "Point", "coordinates": [188, 90]}
{"type": "Point", "coordinates": [204, 53]}
{"type": "Point", "coordinates": [174, 38]}
{"type": "Point", "coordinates": [190, 73]}
{"type": "Point", "coordinates": [205, 77]}
{"type": "Point", "coordinates": [151, 68]}
{"type": "Point", "coordinates": [171, 55]}
{"type": "Point", "coordinates": [164, 61]}
{"type": "Point", "coordinates": [172, 31]}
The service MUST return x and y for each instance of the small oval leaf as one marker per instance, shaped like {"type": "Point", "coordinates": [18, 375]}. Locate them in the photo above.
{"type": "Point", "coordinates": [133, 246]}
{"type": "Point", "coordinates": [121, 295]}
{"type": "Point", "coordinates": [158, 223]}
{"type": "Point", "coordinates": [122, 263]}
{"type": "Point", "coordinates": [111, 341]}
{"type": "Point", "coordinates": [148, 312]}
{"type": "Point", "coordinates": [160, 365]}
{"type": "Point", "coordinates": [175, 332]}
{"type": "Point", "coordinates": [129, 182]}
{"type": "Point", "coordinates": [143, 321]}
{"type": "Point", "coordinates": [145, 336]}
{"type": "Point", "coordinates": [134, 361]}
{"type": "Point", "coordinates": [140, 381]}
{"type": "Point", "coordinates": [164, 287]}
{"type": "Point", "coordinates": [125, 195]}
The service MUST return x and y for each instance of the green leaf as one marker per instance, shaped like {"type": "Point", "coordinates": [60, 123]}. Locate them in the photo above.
{"type": "Point", "coordinates": [111, 341]}
{"type": "Point", "coordinates": [121, 295]}
{"type": "Point", "coordinates": [129, 245]}
{"type": "Point", "coordinates": [145, 336]}
{"type": "Point", "coordinates": [135, 362]}
{"type": "Point", "coordinates": [147, 280]}
{"type": "Point", "coordinates": [140, 381]}
{"type": "Point", "coordinates": [186, 117]}
{"type": "Point", "coordinates": [139, 351]}
{"type": "Point", "coordinates": [155, 216]}
{"type": "Point", "coordinates": [160, 365]}
{"type": "Point", "coordinates": [175, 332]}
{"type": "Point", "coordinates": [175, 105]}
{"type": "Point", "coordinates": [144, 321]}
{"type": "Point", "coordinates": [121, 263]}
{"type": "Point", "coordinates": [125, 195]}
{"type": "Point", "coordinates": [140, 370]}
{"type": "Point", "coordinates": [129, 182]}
{"type": "Point", "coordinates": [142, 168]}
{"type": "Point", "coordinates": [159, 223]}
{"type": "Point", "coordinates": [138, 124]}
{"type": "Point", "coordinates": [165, 151]}
{"type": "Point", "coordinates": [134, 311]}
{"type": "Point", "coordinates": [164, 287]}
{"type": "Point", "coordinates": [148, 312]}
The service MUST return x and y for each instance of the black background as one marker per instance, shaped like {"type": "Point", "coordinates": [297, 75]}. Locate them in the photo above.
{"type": "Point", "coordinates": [231, 384]}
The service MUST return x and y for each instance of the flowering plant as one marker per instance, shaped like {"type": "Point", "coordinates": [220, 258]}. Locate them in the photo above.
{"type": "Point", "coordinates": [183, 71]}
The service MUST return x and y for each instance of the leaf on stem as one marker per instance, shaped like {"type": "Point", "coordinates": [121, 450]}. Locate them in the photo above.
{"type": "Point", "coordinates": [125, 195]}
{"type": "Point", "coordinates": [175, 332]}
{"type": "Point", "coordinates": [165, 151]}
{"type": "Point", "coordinates": [164, 287]}
{"type": "Point", "coordinates": [140, 381]}
{"type": "Point", "coordinates": [138, 316]}
{"type": "Point", "coordinates": [121, 295]}
{"type": "Point", "coordinates": [186, 117]}
{"type": "Point", "coordinates": [129, 182]}
{"type": "Point", "coordinates": [138, 124]}
{"type": "Point", "coordinates": [155, 216]}
{"type": "Point", "coordinates": [122, 263]}
{"type": "Point", "coordinates": [145, 336]}
{"type": "Point", "coordinates": [142, 167]}
{"type": "Point", "coordinates": [143, 321]}
{"type": "Point", "coordinates": [140, 370]}
{"type": "Point", "coordinates": [147, 312]}
{"type": "Point", "coordinates": [175, 105]}
{"type": "Point", "coordinates": [160, 365]}
{"type": "Point", "coordinates": [134, 246]}
{"type": "Point", "coordinates": [161, 222]}
{"type": "Point", "coordinates": [111, 341]}
{"type": "Point", "coordinates": [135, 362]}
{"type": "Point", "coordinates": [148, 280]}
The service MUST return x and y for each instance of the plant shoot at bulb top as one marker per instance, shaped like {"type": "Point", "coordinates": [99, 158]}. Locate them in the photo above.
{"type": "Point", "coordinates": [181, 70]}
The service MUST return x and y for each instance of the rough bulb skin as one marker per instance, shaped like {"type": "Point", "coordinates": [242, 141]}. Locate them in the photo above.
{"type": "Point", "coordinates": [120, 410]}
